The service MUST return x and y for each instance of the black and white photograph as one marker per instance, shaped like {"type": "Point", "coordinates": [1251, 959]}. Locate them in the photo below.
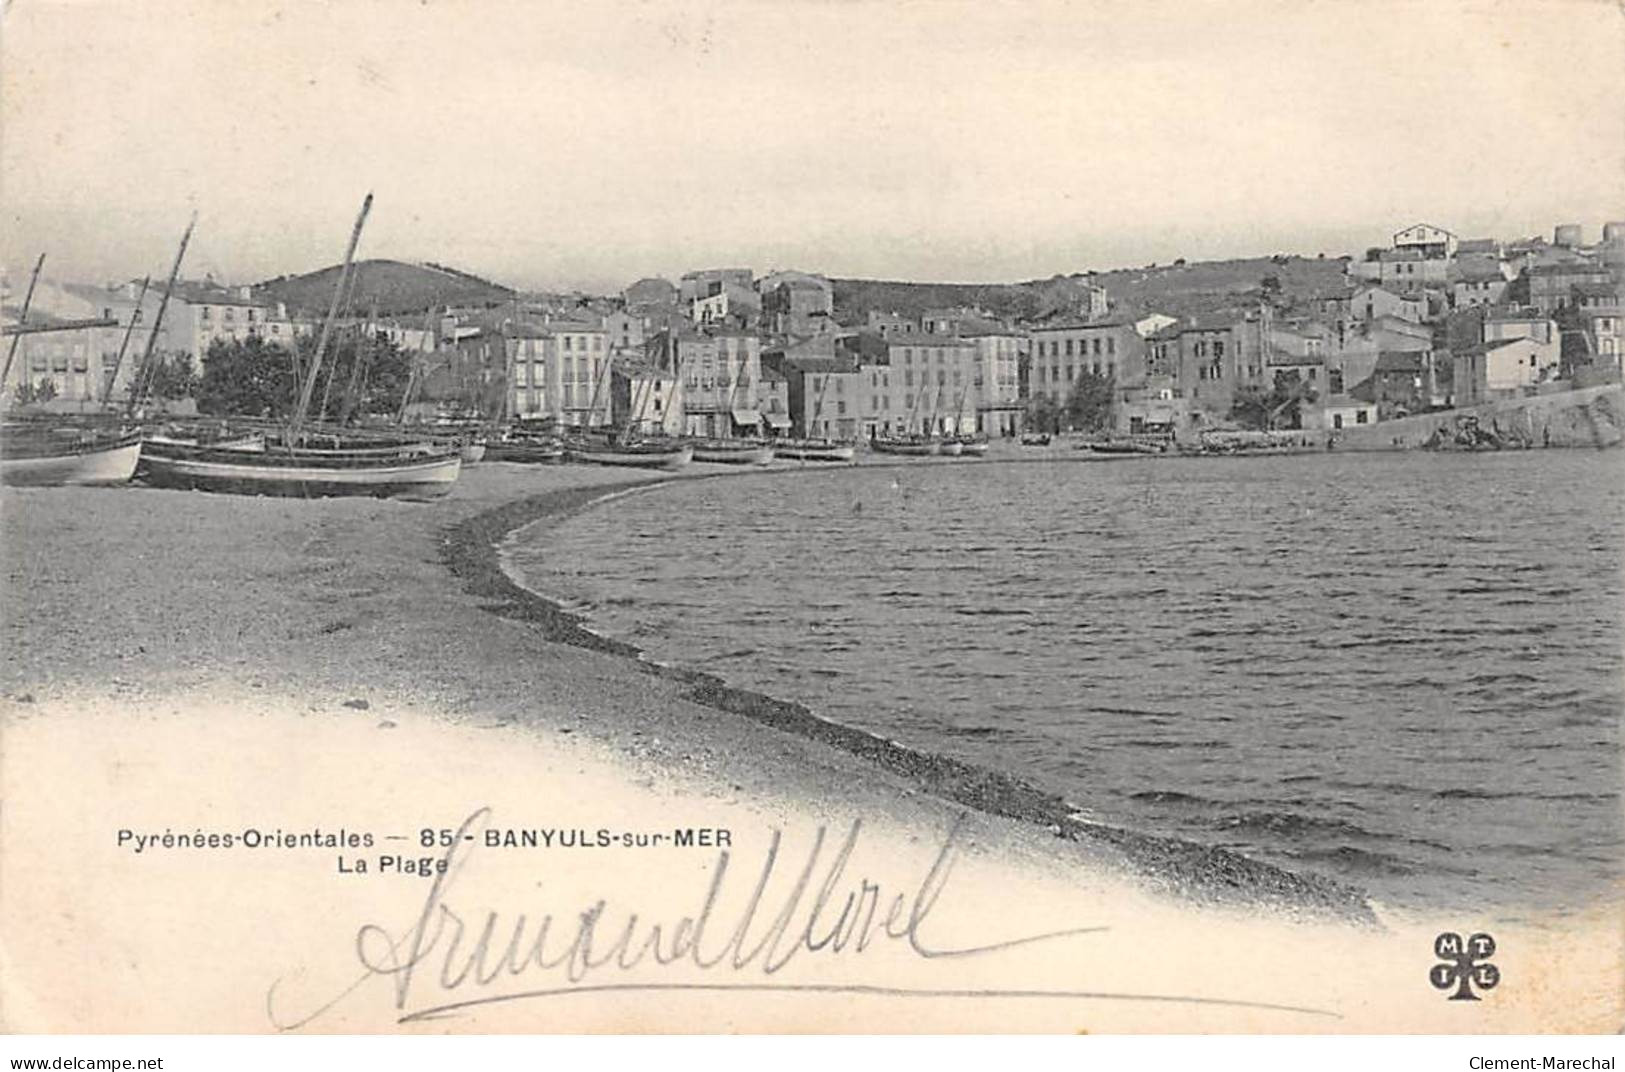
{"type": "Point", "coordinates": [842, 518]}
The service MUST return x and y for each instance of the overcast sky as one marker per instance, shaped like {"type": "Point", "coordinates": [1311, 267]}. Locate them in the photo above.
{"type": "Point", "coordinates": [586, 145]}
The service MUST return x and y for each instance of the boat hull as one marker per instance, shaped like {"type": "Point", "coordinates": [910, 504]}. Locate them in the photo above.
{"type": "Point", "coordinates": [755, 454]}
{"type": "Point", "coordinates": [113, 463]}
{"type": "Point", "coordinates": [817, 452]}
{"type": "Point", "coordinates": [302, 475]}
{"type": "Point", "coordinates": [639, 459]}
{"type": "Point", "coordinates": [913, 450]}
{"type": "Point", "coordinates": [472, 453]}
{"type": "Point", "coordinates": [975, 448]}
{"type": "Point", "coordinates": [951, 448]}
{"type": "Point", "coordinates": [527, 453]}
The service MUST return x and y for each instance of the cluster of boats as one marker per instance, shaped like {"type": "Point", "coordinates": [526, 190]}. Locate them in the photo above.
{"type": "Point", "coordinates": [214, 457]}
{"type": "Point", "coordinates": [919, 445]}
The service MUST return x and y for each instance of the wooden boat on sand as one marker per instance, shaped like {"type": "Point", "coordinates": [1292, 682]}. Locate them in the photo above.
{"type": "Point", "coordinates": [43, 461]}
{"type": "Point", "coordinates": [301, 473]}
{"type": "Point", "coordinates": [733, 452]}
{"type": "Point", "coordinates": [814, 450]}
{"type": "Point", "coordinates": [645, 454]}
{"type": "Point", "coordinates": [913, 446]}
{"type": "Point", "coordinates": [973, 446]}
{"type": "Point", "coordinates": [528, 450]}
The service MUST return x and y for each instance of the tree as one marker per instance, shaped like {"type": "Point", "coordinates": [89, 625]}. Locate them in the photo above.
{"type": "Point", "coordinates": [29, 393]}
{"type": "Point", "coordinates": [1043, 415]}
{"type": "Point", "coordinates": [1278, 406]}
{"type": "Point", "coordinates": [172, 376]}
{"type": "Point", "coordinates": [250, 377]}
{"type": "Point", "coordinates": [246, 377]}
{"type": "Point", "coordinates": [1090, 405]}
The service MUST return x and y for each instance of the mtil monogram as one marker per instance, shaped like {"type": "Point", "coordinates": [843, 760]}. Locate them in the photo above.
{"type": "Point", "coordinates": [1466, 965]}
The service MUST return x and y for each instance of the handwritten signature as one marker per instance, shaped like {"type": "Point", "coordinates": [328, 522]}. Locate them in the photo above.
{"type": "Point", "coordinates": [450, 961]}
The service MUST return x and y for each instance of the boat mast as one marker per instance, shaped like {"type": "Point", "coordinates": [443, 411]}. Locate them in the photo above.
{"type": "Point", "coordinates": [419, 367]}
{"type": "Point", "coordinates": [818, 403]}
{"type": "Point", "coordinates": [597, 384]}
{"type": "Point", "coordinates": [144, 372]}
{"type": "Point", "coordinates": [345, 321]}
{"type": "Point", "coordinates": [914, 406]}
{"type": "Point", "coordinates": [124, 344]}
{"type": "Point", "coordinates": [22, 320]}
{"type": "Point", "coordinates": [360, 363]}
{"type": "Point", "coordinates": [327, 326]}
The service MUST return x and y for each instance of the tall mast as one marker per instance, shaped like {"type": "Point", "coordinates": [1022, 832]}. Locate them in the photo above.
{"type": "Point", "coordinates": [419, 367]}
{"type": "Point", "coordinates": [818, 403]}
{"type": "Point", "coordinates": [144, 372]}
{"type": "Point", "coordinates": [361, 361]}
{"type": "Point", "coordinates": [346, 323]}
{"type": "Point", "coordinates": [22, 320]}
{"type": "Point", "coordinates": [327, 326]}
{"type": "Point", "coordinates": [129, 329]}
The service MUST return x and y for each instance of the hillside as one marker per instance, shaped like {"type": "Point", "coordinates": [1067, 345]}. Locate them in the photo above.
{"type": "Point", "coordinates": [1176, 289]}
{"type": "Point", "coordinates": [398, 288]}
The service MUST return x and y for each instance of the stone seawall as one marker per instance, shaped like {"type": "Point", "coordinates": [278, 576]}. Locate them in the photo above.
{"type": "Point", "coordinates": [1589, 417]}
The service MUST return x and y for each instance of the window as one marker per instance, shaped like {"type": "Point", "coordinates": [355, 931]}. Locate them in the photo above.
{"type": "Point", "coordinates": [1218, 348]}
{"type": "Point", "coordinates": [1097, 348]}
{"type": "Point", "coordinates": [840, 408]}
{"type": "Point", "coordinates": [1111, 345]}
{"type": "Point", "coordinates": [1337, 420]}
{"type": "Point", "coordinates": [1069, 348]}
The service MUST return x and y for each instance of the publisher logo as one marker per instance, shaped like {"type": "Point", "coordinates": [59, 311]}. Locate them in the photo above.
{"type": "Point", "coordinates": [1466, 965]}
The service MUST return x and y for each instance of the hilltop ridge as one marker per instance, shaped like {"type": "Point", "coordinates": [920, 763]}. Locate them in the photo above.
{"type": "Point", "coordinates": [398, 288]}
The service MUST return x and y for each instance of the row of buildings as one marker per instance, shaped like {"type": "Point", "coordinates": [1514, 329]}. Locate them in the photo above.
{"type": "Point", "coordinates": [1429, 321]}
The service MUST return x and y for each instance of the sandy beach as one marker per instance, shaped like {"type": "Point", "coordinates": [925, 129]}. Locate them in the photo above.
{"type": "Point", "coordinates": [191, 664]}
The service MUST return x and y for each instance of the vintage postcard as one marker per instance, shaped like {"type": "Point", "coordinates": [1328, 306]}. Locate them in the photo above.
{"type": "Point", "coordinates": [850, 517]}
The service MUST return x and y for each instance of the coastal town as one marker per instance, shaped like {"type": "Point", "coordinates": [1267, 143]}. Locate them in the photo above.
{"type": "Point", "coordinates": [1429, 340]}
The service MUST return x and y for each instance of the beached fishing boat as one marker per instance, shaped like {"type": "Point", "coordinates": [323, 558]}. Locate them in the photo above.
{"type": "Point", "coordinates": [253, 442]}
{"type": "Point", "coordinates": [814, 450]}
{"type": "Point", "coordinates": [1035, 439]}
{"type": "Point", "coordinates": [300, 473]}
{"type": "Point", "coordinates": [1111, 445]}
{"type": "Point", "coordinates": [35, 460]}
{"type": "Point", "coordinates": [732, 452]}
{"type": "Point", "coordinates": [951, 448]}
{"type": "Point", "coordinates": [647, 454]}
{"type": "Point", "coordinates": [910, 445]}
{"type": "Point", "coordinates": [973, 446]}
{"type": "Point", "coordinates": [531, 450]}
{"type": "Point", "coordinates": [473, 452]}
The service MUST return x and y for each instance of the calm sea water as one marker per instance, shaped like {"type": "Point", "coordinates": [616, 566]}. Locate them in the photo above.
{"type": "Point", "coordinates": [1401, 670]}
